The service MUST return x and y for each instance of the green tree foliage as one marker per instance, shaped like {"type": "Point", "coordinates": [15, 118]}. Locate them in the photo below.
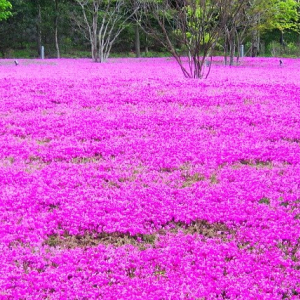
{"type": "Point", "coordinates": [259, 17]}
{"type": "Point", "coordinates": [281, 15]}
{"type": "Point", "coordinates": [5, 7]}
{"type": "Point", "coordinates": [269, 15]}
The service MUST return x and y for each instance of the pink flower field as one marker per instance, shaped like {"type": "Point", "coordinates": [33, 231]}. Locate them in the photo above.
{"type": "Point", "coordinates": [124, 180]}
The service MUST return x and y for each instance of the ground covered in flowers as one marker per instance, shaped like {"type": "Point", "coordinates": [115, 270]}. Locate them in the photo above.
{"type": "Point", "coordinates": [125, 180]}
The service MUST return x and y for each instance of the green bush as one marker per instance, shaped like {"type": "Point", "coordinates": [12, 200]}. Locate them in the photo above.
{"type": "Point", "coordinates": [155, 54]}
{"type": "Point", "coordinates": [289, 50]}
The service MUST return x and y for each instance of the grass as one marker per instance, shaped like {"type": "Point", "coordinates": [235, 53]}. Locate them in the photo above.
{"type": "Point", "coordinates": [190, 179]}
{"type": "Point", "coordinates": [141, 241]}
{"type": "Point", "coordinates": [264, 200]}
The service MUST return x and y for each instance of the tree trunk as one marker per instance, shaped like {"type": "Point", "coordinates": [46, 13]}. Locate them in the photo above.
{"type": "Point", "coordinates": [137, 41]}
{"type": "Point", "coordinates": [56, 30]}
{"type": "Point", "coordinates": [282, 42]}
{"type": "Point", "coordinates": [146, 45]}
{"type": "Point", "coordinates": [101, 54]}
{"type": "Point", "coordinates": [238, 46]}
{"type": "Point", "coordinates": [94, 39]}
{"type": "Point", "coordinates": [255, 37]}
{"type": "Point", "coordinates": [225, 50]}
{"type": "Point", "coordinates": [255, 43]}
{"type": "Point", "coordinates": [94, 50]}
{"type": "Point", "coordinates": [39, 29]}
{"type": "Point", "coordinates": [232, 49]}
{"type": "Point", "coordinates": [226, 46]}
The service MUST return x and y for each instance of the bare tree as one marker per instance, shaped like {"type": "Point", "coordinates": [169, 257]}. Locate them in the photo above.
{"type": "Point", "coordinates": [192, 25]}
{"type": "Point", "coordinates": [102, 22]}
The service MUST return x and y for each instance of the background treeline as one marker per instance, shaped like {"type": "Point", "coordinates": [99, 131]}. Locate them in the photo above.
{"type": "Point", "coordinates": [60, 26]}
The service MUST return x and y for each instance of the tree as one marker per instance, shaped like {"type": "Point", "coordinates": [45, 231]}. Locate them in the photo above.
{"type": "Point", "coordinates": [56, 18]}
{"type": "Point", "coordinates": [244, 23]}
{"type": "Point", "coordinates": [5, 7]}
{"type": "Point", "coordinates": [102, 22]}
{"type": "Point", "coordinates": [283, 16]}
{"type": "Point", "coordinates": [267, 15]}
{"type": "Point", "coordinates": [192, 25]}
{"type": "Point", "coordinates": [37, 11]}
{"type": "Point", "coordinates": [12, 30]}
{"type": "Point", "coordinates": [256, 17]}
{"type": "Point", "coordinates": [56, 14]}
{"type": "Point", "coordinates": [56, 25]}
{"type": "Point", "coordinates": [137, 41]}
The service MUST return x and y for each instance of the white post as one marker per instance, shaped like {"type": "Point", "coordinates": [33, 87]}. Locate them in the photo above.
{"type": "Point", "coordinates": [242, 51]}
{"type": "Point", "coordinates": [42, 52]}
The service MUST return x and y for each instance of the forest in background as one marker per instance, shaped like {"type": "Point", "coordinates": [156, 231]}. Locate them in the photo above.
{"type": "Point", "coordinates": [269, 27]}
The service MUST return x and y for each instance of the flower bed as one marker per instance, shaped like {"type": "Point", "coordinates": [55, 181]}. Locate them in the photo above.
{"type": "Point", "coordinates": [124, 180]}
